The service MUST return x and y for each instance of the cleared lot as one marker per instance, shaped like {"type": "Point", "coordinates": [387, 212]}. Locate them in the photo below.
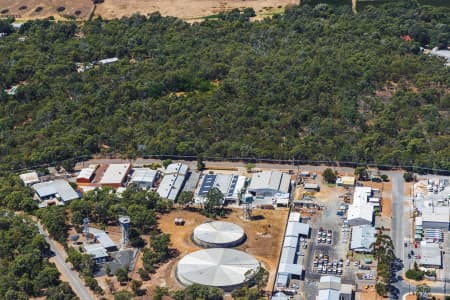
{"type": "Point", "coordinates": [185, 9]}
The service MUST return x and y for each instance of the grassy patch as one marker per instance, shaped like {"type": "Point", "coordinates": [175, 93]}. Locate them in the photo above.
{"type": "Point", "coordinates": [211, 17]}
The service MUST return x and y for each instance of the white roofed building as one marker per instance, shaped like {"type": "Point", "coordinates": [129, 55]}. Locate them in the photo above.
{"type": "Point", "coordinates": [431, 256]}
{"type": "Point", "coordinates": [361, 211]}
{"type": "Point", "coordinates": [29, 178]}
{"type": "Point", "coordinates": [115, 175]}
{"type": "Point", "coordinates": [97, 252]}
{"type": "Point", "coordinates": [173, 181]}
{"type": "Point", "coordinates": [331, 288]}
{"type": "Point", "coordinates": [177, 168]}
{"type": "Point", "coordinates": [85, 175]}
{"type": "Point", "coordinates": [231, 186]}
{"type": "Point", "coordinates": [269, 183]}
{"type": "Point", "coordinates": [363, 238]}
{"type": "Point", "coordinates": [108, 61]}
{"type": "Point", "coordinates": [291, 265]}
{"type": "Point", "coordinates": [55, 190]}
{"type": "Point", "coordinates": [144, 177]}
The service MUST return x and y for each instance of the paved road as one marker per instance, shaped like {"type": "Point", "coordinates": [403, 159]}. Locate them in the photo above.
{"type": "Point", "coordinates": [77, 286]}
{"type": "Point", "coordinates": [401, 229]}
{"type": "Point", "coordinates": [398, 228]}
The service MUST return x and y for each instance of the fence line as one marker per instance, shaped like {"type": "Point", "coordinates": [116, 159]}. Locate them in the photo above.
{"type": "Point", "coordinates": [293, 162]}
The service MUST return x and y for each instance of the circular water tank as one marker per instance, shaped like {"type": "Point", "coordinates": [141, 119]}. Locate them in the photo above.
{"type": "Point", "coordinates": [217, 267]}
{"type": "Point", "coordinates": [218, 234]}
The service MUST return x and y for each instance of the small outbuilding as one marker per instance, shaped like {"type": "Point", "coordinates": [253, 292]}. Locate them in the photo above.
{"type": "Point", "coordinates": [29, 178]}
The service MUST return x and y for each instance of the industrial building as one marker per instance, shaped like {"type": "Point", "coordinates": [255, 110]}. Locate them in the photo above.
{"type": "Point", "coordinates": [331, 288]}
{"type": "Point", "coordinates": [103, 239]}
{"type": "Point", "coordinates": [176, 168]}
{"type": "Point", "coordinates": [312, 187]}
{"type": "Point", "coordinates": [269, 183]}
{"type": "Point", "coordinates": [217, 267]}
{"type": "Point", "coordinates": [218, 234]}
{"type": "Point", "coordinates": [431, 255]}
{"type": "Point", "coordinates": [97, 252]}
{"type": "Point", "coordinates": [435, 217]}
{"type": "Point", "coordinates": [172, 182]}
{"type": "Point", "coordinates": [115, 175]}
{"type": "Point", "coordinates": [361, 211]}
{"type": "Point", "coordinates": [362, 240]}
{"type": "Point", "coordinates": [346, 181]}
{"type": "Point", "coordinates": [29, 178]}
{"type": "Point", "coordinates": [144, 177]}
{"type": "Point", "coordinates": [86, 175]}
{"type": "Point", "coordinates": [230, 185]}
{"type": "Point", "coordinates": [290, 265]}
{"type": "Point", "coordinates": [54, 192]}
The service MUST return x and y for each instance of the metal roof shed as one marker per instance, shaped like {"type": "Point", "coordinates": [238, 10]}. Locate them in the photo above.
{"type": "Point", "coordinates": [29, 178]}
{"type": "Point", "coordinates": [178, 168]}
{"type": "Point", "coordinates": [144, 177]}
{"type": "Point", "coordinates": [288, 255]}
{"type": "Point", "coordinates": [431, 256]}
{"type": "Point", "coordinates": [290, 241]}
{"type": "Point", "coordinates": [362, 238]}
{"type": "Point", "coordinates": [294, 217]}
{"type": "Point", "coordinates": [58, 189]}
{"type": "Point", "coordinates": [115, 174]}
{"type": "Point", "coordinates": [170, 186]}
{"type": "Point", "coordinates": [296, 229]}
{"type": "Point", "coordinates": [293, 269]}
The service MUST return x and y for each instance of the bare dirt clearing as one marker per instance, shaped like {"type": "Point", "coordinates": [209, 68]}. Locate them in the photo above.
{"type": "Point", "coordinates": [264, 239]}
{"type": "Point", "coordinates": [38, 9]}
{"type": "Point", "coordinates": [185, 9]}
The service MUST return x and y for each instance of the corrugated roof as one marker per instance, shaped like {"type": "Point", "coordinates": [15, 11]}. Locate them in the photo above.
{"type": "Point", "coordinates": [431, 255]}
{"type": "Point", "coordinates": [296, 229]}
{"type": "Point", "coordinates": [294, 269]}
{"type": "Point", "coordinates": [360, 212]}
{"type": "Point", "coordinates": [86, 173]}
{"type": "Point", "coordinates": [282, 280]}
{"type": "Point", "coordinates": [170, 186]}
{"type": "Point", "coordinates": [348, 180]}
{"type": "Point", "coordinates": [102, 238]}
{"type": "Point", "coordinates": [288, 255]}
{"type": "Point", "coordinates": [294, 217]}
{"type": "Point", "coordinates": [96, 251]}
{"type": "Point", "coordinates": [115, 174]}
{"type": "Point", "coordinates": [270, 180]}
{"type": "Point", "coordinates": [330, 283]}
{"type": "Point", "coordinates": [290, 241]}
{"type": "Point", "coordinates": [143, 175]}
{"type": "Point", "coordinates": [29, 178]}
{"type": "Point", "coordinates": [362, 238]}
{"type": "Point", "coordinates": [328, 295]}
{"type": "Point", "coordinates": [177, 168]}
{"type": "Point", "coordinates": [58, 188]}
{"type": "Point", "coordinates": [280, 295]}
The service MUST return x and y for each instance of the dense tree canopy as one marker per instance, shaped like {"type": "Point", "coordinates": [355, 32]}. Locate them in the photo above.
{"type": "Point", "coordinates": [24, 254]}
{"type": "Point", "coordinates": [315, 83]}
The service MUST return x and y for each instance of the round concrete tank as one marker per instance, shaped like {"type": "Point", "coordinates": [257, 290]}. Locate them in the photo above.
{"type": "Point", "coordinates": [218, 267]}
{"type": "Point", "coordinates": [218, 234]}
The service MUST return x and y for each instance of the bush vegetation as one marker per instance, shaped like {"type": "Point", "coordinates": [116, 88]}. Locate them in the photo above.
{"type": "Point", "coordinates": [315, 83]}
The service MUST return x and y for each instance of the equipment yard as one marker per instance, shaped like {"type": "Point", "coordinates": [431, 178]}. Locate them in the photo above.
{"type": "Point", "coordinates": [264, 236]}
